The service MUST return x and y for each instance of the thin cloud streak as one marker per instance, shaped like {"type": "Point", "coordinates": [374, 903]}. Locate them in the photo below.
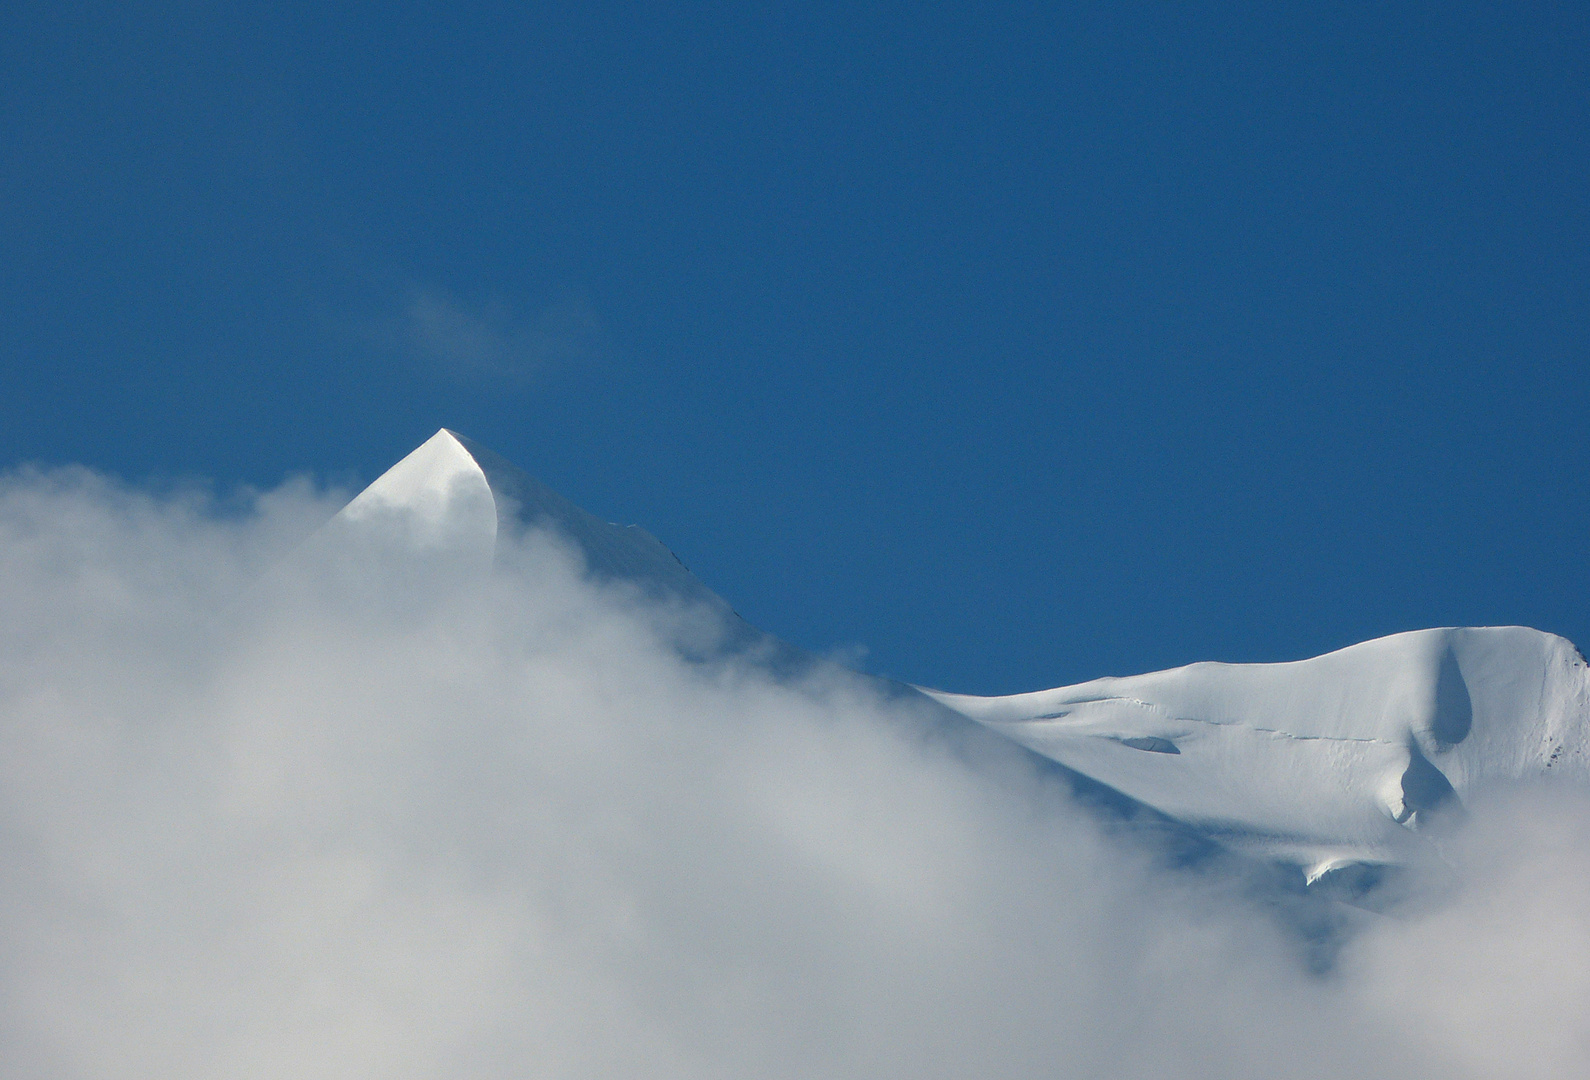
{"type": "Point", "coordinates": [493, 341]}
{"type": "Point", "coordinates": [253, 827]}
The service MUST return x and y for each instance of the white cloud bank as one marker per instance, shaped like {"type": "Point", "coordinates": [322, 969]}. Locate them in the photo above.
{"type": "Point", "coordinates": [501, 830]}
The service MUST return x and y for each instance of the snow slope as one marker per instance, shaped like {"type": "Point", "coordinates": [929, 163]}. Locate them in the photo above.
{"type": "Point", "coordinates": [1336, 760]}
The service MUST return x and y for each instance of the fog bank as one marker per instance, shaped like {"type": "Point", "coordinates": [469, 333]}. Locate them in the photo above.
{"type": "Point", "coordinates": [268, 814]}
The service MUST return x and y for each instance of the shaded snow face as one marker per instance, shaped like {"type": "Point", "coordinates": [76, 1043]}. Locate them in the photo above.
{"type": "Point", "coordinates": [357, 819]}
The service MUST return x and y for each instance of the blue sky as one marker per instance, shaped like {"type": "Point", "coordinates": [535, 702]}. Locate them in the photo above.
{"type": "Point", "coordinates": [1018, 345]}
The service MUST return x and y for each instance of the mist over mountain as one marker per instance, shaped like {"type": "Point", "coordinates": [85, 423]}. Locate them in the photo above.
{"type": "Point", "coordinates": [467, 782]}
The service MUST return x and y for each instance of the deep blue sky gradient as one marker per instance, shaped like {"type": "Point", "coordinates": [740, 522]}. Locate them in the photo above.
{"type": "Point", "coordinates": [1017, 344]}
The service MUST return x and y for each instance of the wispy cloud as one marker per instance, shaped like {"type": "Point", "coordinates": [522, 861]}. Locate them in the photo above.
{"type": "Point", "coordinates": [502, 829]}
{"type": "Point", "coordinates": [497, 340]}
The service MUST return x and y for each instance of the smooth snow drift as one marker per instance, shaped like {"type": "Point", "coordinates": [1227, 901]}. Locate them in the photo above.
{"type": "Point", "coordinates": [1326, 762]}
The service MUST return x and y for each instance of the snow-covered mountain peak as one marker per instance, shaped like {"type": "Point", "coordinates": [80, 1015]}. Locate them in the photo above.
{"type": "Point", "coordinates": [437, 496]}
{"type": "Point", "coordinates": [451, 491]}
{"type": "Point", "coordinates": [1335, 760]}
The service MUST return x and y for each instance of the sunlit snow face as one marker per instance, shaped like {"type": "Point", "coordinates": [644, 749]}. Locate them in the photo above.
{"type": "Point", "coordinates": [436, 498]}
{"type": "Point", "coordinates": [1321, 761]}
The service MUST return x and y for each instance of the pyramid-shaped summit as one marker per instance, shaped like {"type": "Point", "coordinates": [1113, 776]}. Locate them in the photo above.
{"type": "Point", "coordinates": [456, 492]}
{"type": "Point", "coordinates": [1333, 762]}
